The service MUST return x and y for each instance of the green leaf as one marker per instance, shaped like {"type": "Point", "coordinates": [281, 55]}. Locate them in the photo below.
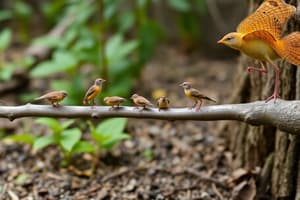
{"type": "Point", "coordinates": [5, 15]}
{"type": "Point", "coordinates": [22, 178]}
{"type": "Point", "coordinates": [51, 123]}
{"type": "Point", "coordinates": [66, 58]}
{"type": "Point", "coordinates": [48, 41]}
{"type": "Point", "coordinates": [23, 138]}
{"type": "Point", "coordinates": [126, 21]}
{"type": "Point", "coordinates": [142, 3]}
{"type": "Point", "coordinates": [109, 132]}
{"type": "Point", "coordinates": [179, 5]}
{"type": "Point", "coordinates": [114, 139]}
{"type": "Point", "coordinates": [83, 147]}
{"type": "Point", "coordinates": [123, 51]}
{"type": "Point", "coordinates": [69, 138]}
{"type": "Point", "coordinates": [62, 61]}
{"type": "Point", "coordinates": [110, 8]}
{"type": "Point", "coordinates": [22, 9]}
{"type": "Point", "coordinates": [122, 87]}
{"type": "Point", "coordinates": [112, 126]}
{"type": "Point", "coordinates": [67, 123]}
{"type": "Point", "coordinates": [6, 73]}
{"type": "Point", "coordinates": [43, 142]}
{"type": "Point", "coordinates": [113, 44]}
{"type": "Point", "coordinates": [5, 38]}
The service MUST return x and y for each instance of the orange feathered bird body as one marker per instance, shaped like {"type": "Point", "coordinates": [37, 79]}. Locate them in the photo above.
{"type": "Point", "coordinates": [259, 36]}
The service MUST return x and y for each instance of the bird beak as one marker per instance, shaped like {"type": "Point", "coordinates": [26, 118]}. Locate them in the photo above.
{"type": "Point", "coordinates": [103, 80]}
{"type": "Point", "coordinates": [181, 85]}
{"type": "Point", "coordinates": [221, 41]}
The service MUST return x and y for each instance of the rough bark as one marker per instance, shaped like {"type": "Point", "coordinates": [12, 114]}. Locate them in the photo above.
{"type": "Point", "coordinates": [283, 114]}
{"type": "Point", "coordinates": [253, 145]}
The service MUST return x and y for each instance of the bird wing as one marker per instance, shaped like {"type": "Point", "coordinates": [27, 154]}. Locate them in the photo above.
{"type": "Point", "coordinates": [261, 35]}
{"type": "Point", "coordinates": [92, 92]}
{"type": "Point", "coordinates": [143, 101]}
{"type": "Point", "coordinates": [197, 94]}
{"type": "Point", "coordinates": [271, 16]}
{"type": "Point", "coordinates": [116, 99]}
{"type": "Point", "coordinates": [50, 95]}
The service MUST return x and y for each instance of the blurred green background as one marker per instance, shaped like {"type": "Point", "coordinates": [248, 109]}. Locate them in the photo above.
{"type": "Point", "coordinates": [75, 41]}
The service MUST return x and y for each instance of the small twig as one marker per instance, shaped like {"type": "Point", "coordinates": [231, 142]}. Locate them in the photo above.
{"type": "Point", "coordinates": [116, 174]}
{"type": "Point", "coordinates": [206, 179]}
{"type": "Point", "coordinates": [180, 189]}
{"type": "Point", "coordinates": [218, 193]}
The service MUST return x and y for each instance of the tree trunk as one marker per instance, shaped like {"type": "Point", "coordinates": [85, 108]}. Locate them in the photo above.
{"type": "Point", "coordinates": [277, 153]}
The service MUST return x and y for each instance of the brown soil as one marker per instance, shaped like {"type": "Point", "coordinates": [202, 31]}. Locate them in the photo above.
{"type": "Point", "coordinates": [162, 160]}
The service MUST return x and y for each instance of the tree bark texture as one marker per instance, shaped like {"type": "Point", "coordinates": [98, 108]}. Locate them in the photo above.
{"type": "Point", "coordinates": [253, 146]}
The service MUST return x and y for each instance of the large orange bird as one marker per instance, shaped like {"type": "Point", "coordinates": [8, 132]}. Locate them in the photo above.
{"type": "Point", "coordinates": [259, 36]}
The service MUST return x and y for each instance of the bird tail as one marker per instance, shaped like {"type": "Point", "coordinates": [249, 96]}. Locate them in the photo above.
{"type": "Point", "coordinates": [290, 48]}
{"type": "Point", "coordinates": [39, 98]}
{"type": "Point", "coordinates": [209, 99]}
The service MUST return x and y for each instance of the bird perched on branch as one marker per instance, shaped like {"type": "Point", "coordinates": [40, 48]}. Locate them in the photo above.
{"type": "Point", "coordinates": [259, 36]}
{"type": "Point", "coordinates": [140, 101]}
{"type": "Point", "coordinates": [195, 95]}
{"type": "Point", "coordinates": [114, 101]}
{"type": "Point", "coordinates": [93, 91]}
{"type": "Point", "coordinates": [163, 103]}
{"type": "Point", "coordinates": [54, 97]}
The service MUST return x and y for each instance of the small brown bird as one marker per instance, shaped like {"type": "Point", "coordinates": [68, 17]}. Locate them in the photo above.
{"type": "Point", "coordinates": [53, 97]}
{"type": "Point", "coordinates": [140, 101]}
{"type": "Point", "coordinates": [194, 94]}
{"type": "Point", "coordinates": [163, 103]}
{"type": "Point", "coordinates": [93, 91]}
{"type": "Point", "coordinates": [114, 101]}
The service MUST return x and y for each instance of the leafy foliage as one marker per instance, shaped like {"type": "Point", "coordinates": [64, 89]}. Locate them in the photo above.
{"type": "Point", "coordinates": [105, 39]}
{"type": "Point", "coordinates": [115, 41]}
{"type": "Point", "coordinates": [109, 132]}
{"type": "Point", "coordinates": [5, 38]}
{"type": "Point", "coordinates": [68, 139]}
{"type": "Point", "coordinates": [106, 135]}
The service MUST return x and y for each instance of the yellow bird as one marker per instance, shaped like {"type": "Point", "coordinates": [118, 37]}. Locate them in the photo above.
{"type": "Point", "coordinates": [54, 97]}
{"type": "Point", "coordinates": [93, 91]}
{"type": "Point", "coordinates": [140, 101]}
{"type": "Point", "coordinates": [259, 36]}
{"type": "Point", "coordinates": [163, 103]}
{"type": "Point", "coordinates": [195, 95]}
{"type": "Point", "coordinates": [114, 101]}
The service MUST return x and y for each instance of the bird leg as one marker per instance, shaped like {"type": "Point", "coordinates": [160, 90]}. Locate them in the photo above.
{"type": "Point", "coordinates": [260, 70]}
{"type": "Point", "coordinates": [111, 108]}
{"type": "Point", "coordinates": [275, 94]}
{"type": "Point", "coordinates": [199, 105]}
{"type": "Point", "coordinates": [194, 105]}
{"type": "Point", "coordinates": [93, 103]}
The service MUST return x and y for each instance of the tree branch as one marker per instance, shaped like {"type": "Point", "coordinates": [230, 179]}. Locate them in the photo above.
{"type": "Point", "coordinates": [284, 115]}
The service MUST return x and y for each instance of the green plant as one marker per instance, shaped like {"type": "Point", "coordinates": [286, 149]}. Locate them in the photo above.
{"type": "Point", "coordinates": [68, 139]}
{"type": "Point", "coordinates": [109, 132]}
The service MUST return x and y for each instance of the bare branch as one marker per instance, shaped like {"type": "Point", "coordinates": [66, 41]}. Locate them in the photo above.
{"type": "Point", "coordinates": [284, 115]}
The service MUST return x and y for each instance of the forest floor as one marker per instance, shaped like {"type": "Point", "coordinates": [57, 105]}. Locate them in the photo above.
{"type": "Point", "coordinates": [162, 160]}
